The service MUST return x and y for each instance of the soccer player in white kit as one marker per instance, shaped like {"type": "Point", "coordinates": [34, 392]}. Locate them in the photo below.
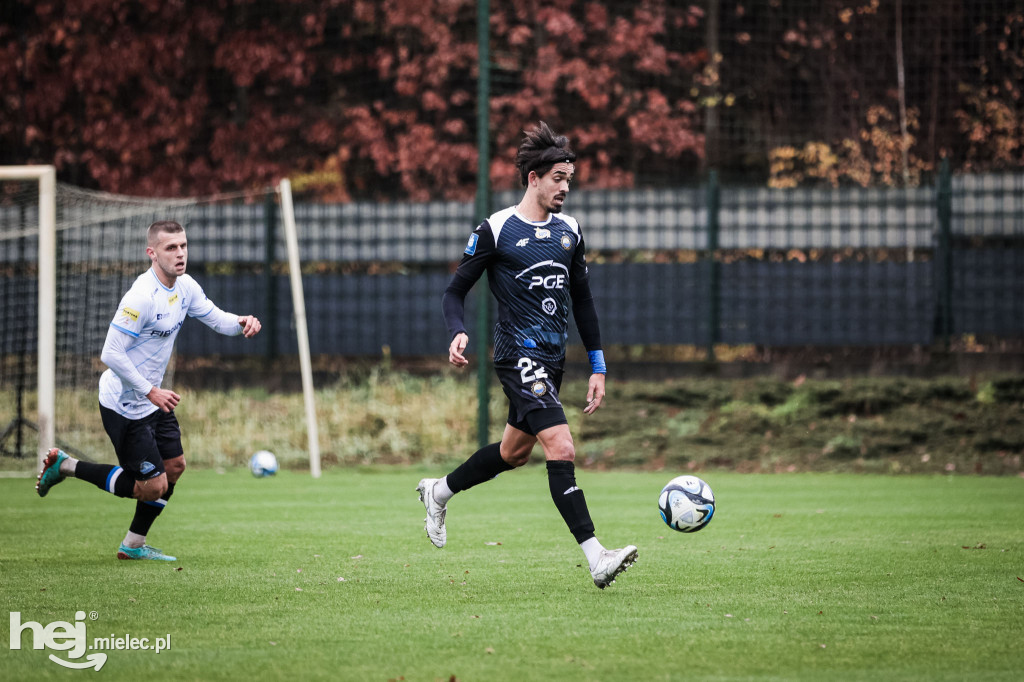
{"type": "Point", "coordinates": [137, 414]}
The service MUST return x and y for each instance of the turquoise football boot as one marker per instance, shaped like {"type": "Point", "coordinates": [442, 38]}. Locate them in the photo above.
{"type": "Point", "coordinates": [50, 475]}
{"type": "Point", "coordinates": [144, 552]}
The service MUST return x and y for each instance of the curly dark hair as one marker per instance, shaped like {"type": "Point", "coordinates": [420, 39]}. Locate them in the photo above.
{"type": "Point", "coordinates": [540, 150]}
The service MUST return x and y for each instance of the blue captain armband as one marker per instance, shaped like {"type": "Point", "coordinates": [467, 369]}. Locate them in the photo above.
{"type": "Point", "coordinates": [597, 365]}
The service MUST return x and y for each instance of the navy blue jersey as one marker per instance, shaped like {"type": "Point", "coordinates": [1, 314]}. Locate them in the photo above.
{"type": "Point", "coordinates": [537, 272]}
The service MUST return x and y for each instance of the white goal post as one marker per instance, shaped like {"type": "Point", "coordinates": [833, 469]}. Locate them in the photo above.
{"type": "Point", "coordinates": [299, 303]}
{"type": "Point", "coordinates": [46, 176]}
{"type": "Point", "coordinates": [112, 225]}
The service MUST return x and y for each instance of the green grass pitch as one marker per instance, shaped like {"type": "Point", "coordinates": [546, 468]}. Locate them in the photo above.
{"type": "Point", "coordinates": [798, 577]}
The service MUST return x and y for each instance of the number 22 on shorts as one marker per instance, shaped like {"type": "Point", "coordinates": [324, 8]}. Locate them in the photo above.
{"type": "Point", "coordinates": [530, 370]}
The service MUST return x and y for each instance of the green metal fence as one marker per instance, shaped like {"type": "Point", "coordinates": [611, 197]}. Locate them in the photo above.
{"type": "Point", "coordinates": [700, 265]}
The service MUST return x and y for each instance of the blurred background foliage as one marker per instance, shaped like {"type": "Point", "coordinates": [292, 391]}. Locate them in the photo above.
{"type": "Point", "coordinates": [371, 99]}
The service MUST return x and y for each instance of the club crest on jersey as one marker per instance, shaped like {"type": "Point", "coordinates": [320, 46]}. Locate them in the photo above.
{"type": "Point", "coordinates": [538, 388]}
{"type": "Point", "coordinates": [471, 246]}
{"type": "Point", "coordinates": [131, 313]}
{"type": "Point", "coordinates": [541, 232]}
{"type": "Point", "coordinates": [566, 242]}
{"type": "Point", "coordinates": [549, 306]}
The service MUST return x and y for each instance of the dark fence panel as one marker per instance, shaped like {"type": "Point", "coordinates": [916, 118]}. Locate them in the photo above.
{"type": "Point", "coordinates": [823, 303]}
{"type": "Point", "coordinates": [772, 304]}
{"type": "Point", "coordinates": [785, 304]}
{"type": "Point", "coordinates": [345, 314]}
{"type": "Point", "coordinates": [988, 291]}
{"type": "Point", "coordinates": [650, 303]}
{"type": "Point", "coordinates": [680, 266]}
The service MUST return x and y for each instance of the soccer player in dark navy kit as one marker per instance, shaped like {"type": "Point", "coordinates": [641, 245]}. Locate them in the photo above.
{"type": "Point", "coordinates": [536, 264]}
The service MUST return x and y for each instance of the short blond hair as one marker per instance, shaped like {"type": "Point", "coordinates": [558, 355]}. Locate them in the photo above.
{"type": "Point", "coordinates": [161, 226]}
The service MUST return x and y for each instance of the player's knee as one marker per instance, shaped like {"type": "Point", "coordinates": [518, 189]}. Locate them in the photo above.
{"type": "Point", "coordinates": [517, 457]}
{"type": "Point", "coordinates": [566, 454]}
{"type": "Point", "coordinates": [152, 489]}
{"type": "Point", "coordinates": [562, 449]}
{"type": "Point", "coordinates": [147, 494]}
{"type": "Point", "coordinates": [518, 460]}
{"type": "Point", "coordinates": [175, 468]}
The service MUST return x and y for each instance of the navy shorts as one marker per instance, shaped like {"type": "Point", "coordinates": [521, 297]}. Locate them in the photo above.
{"type": "Point", "coordinates": [142, 445]}
{"type": "Point", "coordinates": [531, 387]}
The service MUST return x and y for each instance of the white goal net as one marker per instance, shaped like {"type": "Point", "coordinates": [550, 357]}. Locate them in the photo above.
{"type": "Point", "coordinates": [67, 256]}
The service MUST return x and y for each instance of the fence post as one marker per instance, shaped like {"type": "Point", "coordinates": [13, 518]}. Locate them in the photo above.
{"type": "Point", "coordinates": [269, 278]}
{"type": "Point", "coordinates": [944, 257]}
{"type": "Point", "coordinates": [714, 267]}
{"type": "Point", "coordinates": [483, 210]}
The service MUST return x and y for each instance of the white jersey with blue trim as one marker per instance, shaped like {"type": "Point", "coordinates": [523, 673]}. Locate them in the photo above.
{"type": "Point", "coordinates": [142, 334]}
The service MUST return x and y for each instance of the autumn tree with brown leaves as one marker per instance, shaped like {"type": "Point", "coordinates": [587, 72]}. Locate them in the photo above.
{"type": "Point", "coordinates": [377, 98]}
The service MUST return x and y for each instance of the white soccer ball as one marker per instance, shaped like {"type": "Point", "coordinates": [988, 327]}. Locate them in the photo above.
{"type": "Point", "coordinates": [686, 504]}
{"type": "Point", "coordinates": [263, 463]}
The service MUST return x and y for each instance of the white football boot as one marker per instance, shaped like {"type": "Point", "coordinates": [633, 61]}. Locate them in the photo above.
{"type": "Point", "coordinates": [612, 563]}
{"type": "Point", "coordinates": [434, 523]}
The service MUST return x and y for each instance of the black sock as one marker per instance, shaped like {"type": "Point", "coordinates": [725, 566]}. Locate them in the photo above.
{"type": "Point", "coordinates": [146, 512]}
{"type": "Point", "coordinates": [108, 477]}
{"type": "Point", "coordinates": [569, 499]}
{"type": "Point", "coordinates": [482, 466]}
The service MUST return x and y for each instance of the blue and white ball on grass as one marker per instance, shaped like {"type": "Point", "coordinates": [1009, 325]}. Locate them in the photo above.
{"type": "Point", "coordinates": [263, 463]}
{"type": "Point", "coordinates": [686, 504]}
